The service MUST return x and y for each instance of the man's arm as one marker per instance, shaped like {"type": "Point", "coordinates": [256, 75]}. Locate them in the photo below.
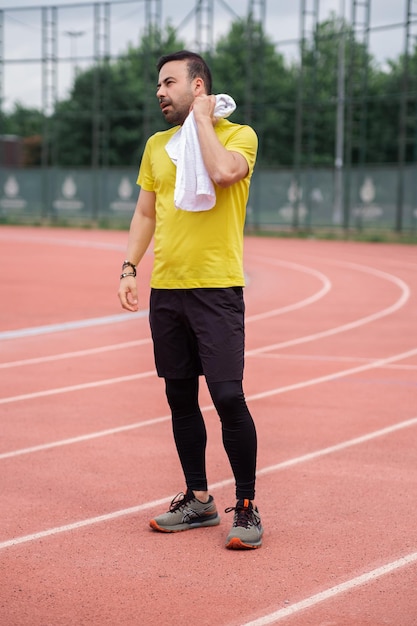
{"type": "Point", "coordinates": [141, 231]}
{"type": "Point", "coordinates": [223, 166]}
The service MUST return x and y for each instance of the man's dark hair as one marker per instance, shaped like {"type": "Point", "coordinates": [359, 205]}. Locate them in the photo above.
{"type": "Point", "coordinates": [197, 67]}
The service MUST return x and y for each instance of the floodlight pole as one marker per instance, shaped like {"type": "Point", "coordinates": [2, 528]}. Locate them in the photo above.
{"type": "Point", "coordinates": [204, 26]}
{"type": "Point", "coordinates": [403, 139]}
{"type": "Point", "coordinates": [340, 122]}
{"type": "Point", "coordinates": [74, 35]}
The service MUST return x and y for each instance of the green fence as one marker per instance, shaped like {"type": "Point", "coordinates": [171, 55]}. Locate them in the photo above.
{"type": "Point", "coordinates": [277, 198]}
{"type": "Point", "coordinates": [369, 200]}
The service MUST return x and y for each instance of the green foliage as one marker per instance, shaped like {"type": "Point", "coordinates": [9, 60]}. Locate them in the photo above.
{"type": "Point", "coordinates": [28, 124]}
{"type": "Point", "coordinates": [111, 109]}
{"type": "Point", "coordinates": [22, 121]}
{"type": "Point", "coordinates": [263, 87]}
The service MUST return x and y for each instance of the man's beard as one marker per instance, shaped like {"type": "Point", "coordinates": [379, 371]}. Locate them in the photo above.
{"type": "Point", "coordinates": [176, 116]}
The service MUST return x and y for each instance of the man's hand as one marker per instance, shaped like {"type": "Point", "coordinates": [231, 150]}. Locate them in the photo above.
{"type": "Point", "coordinates": [203, 107]}
{"type": "Point", "coordinates": [225, 167]}
{"type": "Point", "coordinates": [128, 293]}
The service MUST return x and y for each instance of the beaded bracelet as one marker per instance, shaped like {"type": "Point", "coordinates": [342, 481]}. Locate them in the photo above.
{"type": "Point", "coordinates": [129, 264]}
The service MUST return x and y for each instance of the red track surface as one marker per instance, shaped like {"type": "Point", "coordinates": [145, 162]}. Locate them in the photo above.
{"type": "Point", "coordinates": [86, 452]}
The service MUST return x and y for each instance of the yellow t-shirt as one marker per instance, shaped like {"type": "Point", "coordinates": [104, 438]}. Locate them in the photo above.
{"type": "Point", "coordinates": [204, 248]}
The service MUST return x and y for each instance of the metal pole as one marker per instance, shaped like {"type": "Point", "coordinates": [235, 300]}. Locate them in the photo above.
{"type": "Point", "coordinates": [340, 122]}
{"type": "Point", "coordinates": [49, 98]}
{"type": "Point", "coordinates": [204, 26]}
{"type": "Point", "coordinates": [299, 110]}
{"type": "Point", "coordinates": [73, 35]}
{"type": "Point", "coordinates": [402, 137]}
{"type": "Point", "coordinates": [1, 84]}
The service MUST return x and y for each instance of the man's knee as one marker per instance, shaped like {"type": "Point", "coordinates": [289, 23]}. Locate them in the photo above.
{"type": "Point", "coordinates": [227, 396]}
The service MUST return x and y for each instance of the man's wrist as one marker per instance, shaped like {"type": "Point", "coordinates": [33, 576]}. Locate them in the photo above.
{"type": "Point", "coordinates": [126, 274]}
{"type": "Point", "coordinates": [128, 264]}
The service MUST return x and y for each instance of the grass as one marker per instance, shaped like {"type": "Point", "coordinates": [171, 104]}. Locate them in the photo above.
{"type": "Point", "coordinates": [381, 235]}
{"type": "Point", "coordinates": [340, 234]}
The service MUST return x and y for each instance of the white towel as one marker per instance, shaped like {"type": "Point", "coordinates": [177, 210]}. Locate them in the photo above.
{"type": "Point", "coordinates": [194, 190]}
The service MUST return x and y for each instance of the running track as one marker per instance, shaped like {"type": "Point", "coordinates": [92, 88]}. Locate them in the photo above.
{"type": "Point", "coordinates": [86, 453]}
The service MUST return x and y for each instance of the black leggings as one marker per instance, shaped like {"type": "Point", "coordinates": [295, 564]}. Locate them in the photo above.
{"type": "Point", "coordinates": [238, 432]}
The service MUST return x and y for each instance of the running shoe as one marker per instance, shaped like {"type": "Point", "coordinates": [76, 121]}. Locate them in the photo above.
{"type": "Point", "coordinates": [247, 531]}
{"type": "Point", "coordinates": [186, 512]}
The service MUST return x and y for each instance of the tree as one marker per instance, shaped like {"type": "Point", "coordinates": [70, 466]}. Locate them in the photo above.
{"type": "Point", "coordinates": [27, 124]}
{"type": "Point", "coordinates": [321, 67]}
{"type": "Point", "coordinates": [246, 65]}
{"type": "Point", "coordinates": [394, 101]}
{"type": "Point", "coordinates": [111, 109]}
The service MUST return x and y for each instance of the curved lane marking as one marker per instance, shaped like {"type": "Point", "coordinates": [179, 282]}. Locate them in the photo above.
{"type": "Point", "coordinates": [325, 288]}
{"type": "Point", "coordinates": [312, 600]}
{"type": "Point", "coordinates": [257, 396]}
{"type": "Point", "coordinates": [123, 317]}
{"type": "Point", "coordinates": [405, 295]}
{"type": "Point", "coordinates": [219, 485]}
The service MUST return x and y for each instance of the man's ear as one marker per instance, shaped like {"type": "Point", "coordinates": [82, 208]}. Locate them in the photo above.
{"type": "Point", "coordinates": [199, 87]}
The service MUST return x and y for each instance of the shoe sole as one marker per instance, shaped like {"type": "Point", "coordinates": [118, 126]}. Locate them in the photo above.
{"type": "Point", "coordinates": [237, 544]}
{"type": "Point", "coordinates": [180, 527]}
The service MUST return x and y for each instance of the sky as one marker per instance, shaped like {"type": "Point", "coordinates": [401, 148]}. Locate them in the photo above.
{"type": "Point", "coordinates": [22, 33]}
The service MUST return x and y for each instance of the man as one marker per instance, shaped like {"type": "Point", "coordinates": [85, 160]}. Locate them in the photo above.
{"type": "Point", "coordinates": [196, 302]}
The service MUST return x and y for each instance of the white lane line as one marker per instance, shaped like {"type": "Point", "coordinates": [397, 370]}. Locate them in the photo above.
{"type": "Point", "coordinates": [81, 438]}
{"type": "Point", "coordinates": [80, 387]}
{"type": "Point", "coordinates": [326, 286]}
{"type": "Point", "coordinates": [405, 295]}
{"type": "Point", "coordinates": [250, 398]}
{"type": "Point", "coordinates": [327, 358]}
{"type": "Point", "coordinates": [219, 485]}
{"type": "Point", "coordinates": [123, 317]}
{"type": "Point", "coordinates": [256, 396]}
{"type": "Point", "coordinates": [129, 344]}
{"type": "Point", "coordinates": [141, 342]}
{"type": "Point", "coordinates": [389, 430]}
{"type": "Point", "coordinates": [76, 354]}
{"type": "Point", "coordinates": [400, 302]}
{"type": "Point", "coordinates": [348, 585]}
{"type": "Point", "coordinates": [331, 331]}
{"type": "Point", "coordinates": [335, 375]}
{"type": "Point", "coordinates": [62, 241]}
{"type": "Point", "coordinates": [74, 325]}
{"type": "Point", "coordinates": [82, 523]}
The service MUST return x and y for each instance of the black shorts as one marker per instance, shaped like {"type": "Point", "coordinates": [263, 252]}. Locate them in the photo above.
{"type": "Point", "coordinates": [198, 331]}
